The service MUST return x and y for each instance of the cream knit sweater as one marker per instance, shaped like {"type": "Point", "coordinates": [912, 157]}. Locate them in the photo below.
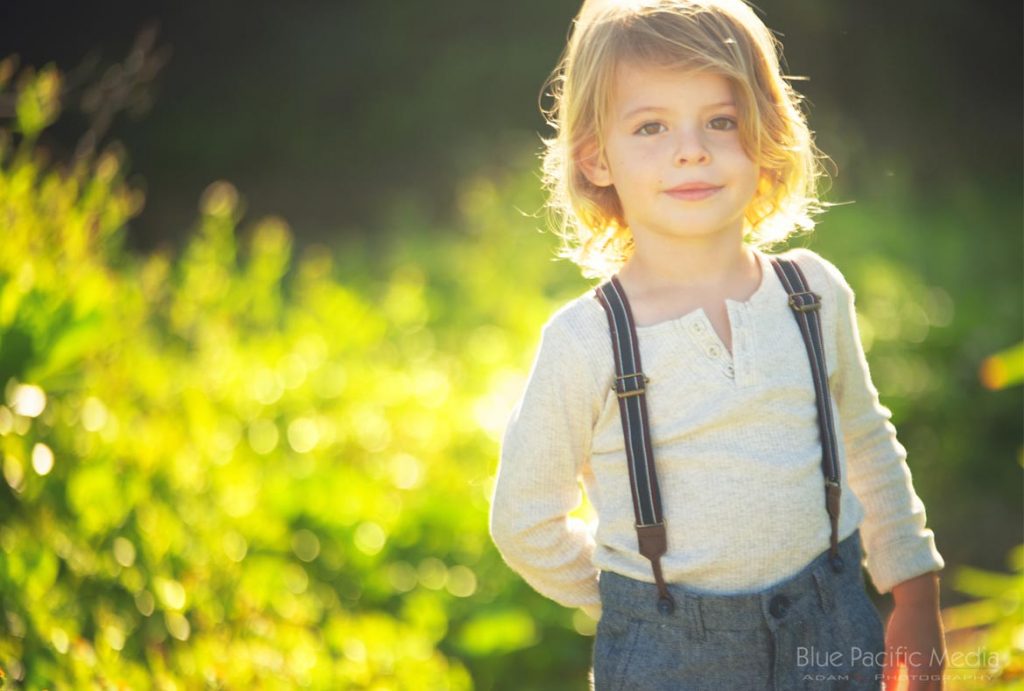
{"type": "Point", "coordinates": [736, 446]}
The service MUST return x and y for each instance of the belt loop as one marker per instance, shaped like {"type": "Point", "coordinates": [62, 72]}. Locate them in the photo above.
{"type": "Point", "coordinates": [826, 594]}
{"type": "Point", "coordinates": [694, 618]}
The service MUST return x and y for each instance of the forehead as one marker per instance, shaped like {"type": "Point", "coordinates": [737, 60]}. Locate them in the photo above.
{"type": "Point", "coordinates": [637, 85]}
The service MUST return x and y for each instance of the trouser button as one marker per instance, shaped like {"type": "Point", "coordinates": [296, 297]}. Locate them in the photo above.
{"type": "Point", "coordinates": [837, 562]}
{"type": "Point", "coordinates": [666, 606]}
{"type": "Point", "coordinates": [778, 606]}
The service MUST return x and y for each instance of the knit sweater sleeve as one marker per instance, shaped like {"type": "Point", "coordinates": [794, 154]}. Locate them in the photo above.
{"type": "Point", "coordinates": [546, 442]}
{"type": "Point", "coordinates": [898, 546]}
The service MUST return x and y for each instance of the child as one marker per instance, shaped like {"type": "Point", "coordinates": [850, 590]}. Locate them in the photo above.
{"type": "Point", "coordinates": [681, 153]}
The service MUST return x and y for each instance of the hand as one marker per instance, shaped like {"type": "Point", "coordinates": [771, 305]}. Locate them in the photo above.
{"type": "Point", "coordinates": [915, 647]}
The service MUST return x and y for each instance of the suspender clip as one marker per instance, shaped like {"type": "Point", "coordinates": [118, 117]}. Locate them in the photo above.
{"type": "Point", "coordinates": [799, 305]}
{"type": "Point", "coordinates": [622, 384]}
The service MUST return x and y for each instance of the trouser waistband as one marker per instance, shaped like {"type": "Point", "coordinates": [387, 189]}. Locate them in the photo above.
{"type": "Point", "coordinates": [816, 586]}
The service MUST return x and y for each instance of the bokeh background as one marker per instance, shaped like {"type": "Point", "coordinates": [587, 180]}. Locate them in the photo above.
{"type": "Point", "coordinates": [271, 279]}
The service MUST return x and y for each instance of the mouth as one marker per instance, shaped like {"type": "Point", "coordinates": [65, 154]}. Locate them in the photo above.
{"type": "Point", "coordinates": [693, 193]}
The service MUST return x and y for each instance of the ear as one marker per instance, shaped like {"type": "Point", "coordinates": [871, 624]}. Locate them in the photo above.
{"type": "Point", "coordinates": [594, 165]}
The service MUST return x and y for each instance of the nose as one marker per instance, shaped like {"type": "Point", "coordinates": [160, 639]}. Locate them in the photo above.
{"type": "Point", "coordinates": [690, 148]}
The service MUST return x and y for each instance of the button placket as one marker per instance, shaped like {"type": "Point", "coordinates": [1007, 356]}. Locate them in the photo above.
{"type": "Point", "coordinates": [710, 345]}
{"type": "Point", "coordinates": [736, 320]}
{"type": "Point", "coordinates": [721, 358]}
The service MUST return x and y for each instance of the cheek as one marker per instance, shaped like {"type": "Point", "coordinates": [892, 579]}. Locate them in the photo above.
{"type": "Point", "coordinates": [640, 168]}
{"type": "Point", "coordinates": [746, 168]}
{"type": "Point", "coordinates": [628, 170]}
{"type": "Point", "coordinates": [734, 147]}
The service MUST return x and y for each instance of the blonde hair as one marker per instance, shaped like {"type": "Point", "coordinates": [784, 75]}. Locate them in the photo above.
{"type": "Point", "coordinates": [720, 36]}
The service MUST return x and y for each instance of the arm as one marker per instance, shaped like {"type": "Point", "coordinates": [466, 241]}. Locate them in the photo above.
{"type": "Point", "coordinates": [914, 637]}
{"type": "Point", "coordinates": [901, 553]}
{"type": "Point", "coordinates": [898, 545]}
{"type": "Point", "coordinates": [920, 591]}
{"type": "Point", "coordinates": [546, 442]}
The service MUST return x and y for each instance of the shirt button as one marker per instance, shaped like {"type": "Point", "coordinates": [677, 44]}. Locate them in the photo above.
{"type": "Point", "coordinates": [698, 327]}
{"type": "Point", "coordinates": [729, 370]}
{"type": "Point", "coordinates": [778, 606]}
{"type": "Point", "coordinates": [713, 351]}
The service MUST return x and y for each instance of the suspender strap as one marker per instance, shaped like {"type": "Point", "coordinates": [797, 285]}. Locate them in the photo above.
{"type": "Point", "coordinates": [629, 385]}
{"type": "Point", "coordinates": [806, 307]}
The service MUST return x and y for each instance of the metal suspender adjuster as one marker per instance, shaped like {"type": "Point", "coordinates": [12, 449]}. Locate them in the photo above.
{"type": "Point", "coordinates": [622, 384]}
{"type": "Point", "coordinates": [813, 303]}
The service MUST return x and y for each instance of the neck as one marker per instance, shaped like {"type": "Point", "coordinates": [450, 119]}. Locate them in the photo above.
{"type": "Point", "coordinates": [700, 264]}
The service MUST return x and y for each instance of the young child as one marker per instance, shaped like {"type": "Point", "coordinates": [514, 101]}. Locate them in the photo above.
{"type": "Point", "coordinates": [681, 154]}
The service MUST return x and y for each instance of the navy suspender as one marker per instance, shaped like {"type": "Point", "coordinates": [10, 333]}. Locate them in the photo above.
{"type": "Point", "coordinates": [630, 388]}
{"type": "Point", "coordinates": [806, 307]}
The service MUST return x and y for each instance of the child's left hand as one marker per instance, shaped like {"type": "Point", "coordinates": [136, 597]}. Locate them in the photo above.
{"type": "Point", "coordinates": [915, 646]}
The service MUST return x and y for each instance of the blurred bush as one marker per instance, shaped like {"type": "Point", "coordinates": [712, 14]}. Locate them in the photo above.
{"type": "Point", "coordinates": [234, 468]}
{"type": "Point", "coordinates": [204, 482]}
{"type": "Point", "coordinates": [985, 637]}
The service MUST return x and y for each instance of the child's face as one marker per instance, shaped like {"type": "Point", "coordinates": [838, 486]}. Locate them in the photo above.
{"type": "Point", "coordinates": [666, 128]}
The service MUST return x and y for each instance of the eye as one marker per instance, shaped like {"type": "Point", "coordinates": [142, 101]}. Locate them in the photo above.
{"type": "Point", "coordinates": [730, 123]}
{"type": "Point", "coordinates": [649, 128]}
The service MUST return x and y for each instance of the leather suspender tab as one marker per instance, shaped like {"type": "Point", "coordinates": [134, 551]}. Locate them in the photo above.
{"type": "Point", "coordinates": [653, 543]}
{"type": "Point", "coordinates": [652, 540]}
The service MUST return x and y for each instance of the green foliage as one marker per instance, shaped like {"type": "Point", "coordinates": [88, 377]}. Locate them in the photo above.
{"type": "Point", "coordinates": [985, 635]}
{"type": "Point", "coordinates": [204, 485]}
{"type": "Point", "coordinates": [38, 101]}
{"type": "Point", "coordinates": [236, 468]}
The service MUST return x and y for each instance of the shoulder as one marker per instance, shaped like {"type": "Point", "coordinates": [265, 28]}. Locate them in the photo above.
{"type": "Point", "coordinates": [824, 278]}
{"type": "Point", "coordinates": [576, 335]}
{"type": "Point", "coordinates": [818, 270]}
{"type": "Point", "coordinates": [580, 320]}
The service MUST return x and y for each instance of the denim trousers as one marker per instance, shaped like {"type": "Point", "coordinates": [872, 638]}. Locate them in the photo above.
{"type": "Point", "coordinates": [817, 629]}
